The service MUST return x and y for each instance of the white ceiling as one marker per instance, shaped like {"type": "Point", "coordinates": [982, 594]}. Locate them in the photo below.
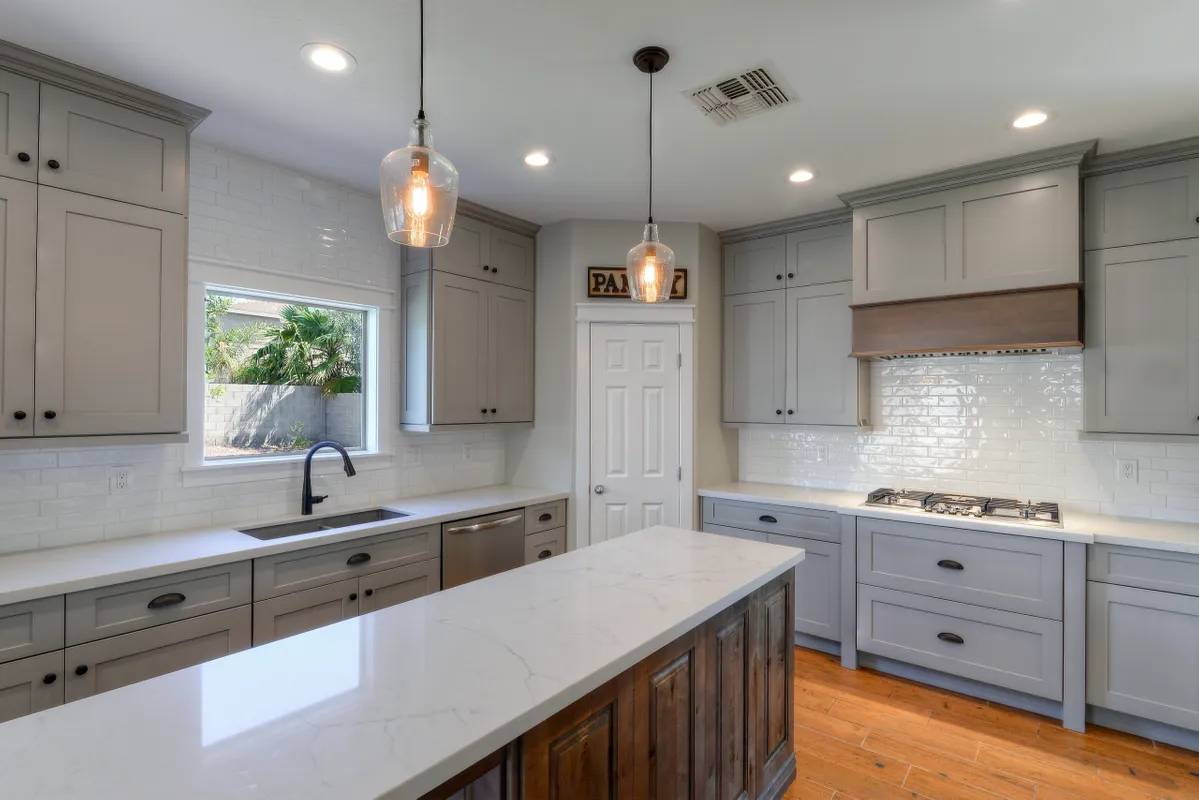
{"type": "Point", "coordinates": [886, 88]}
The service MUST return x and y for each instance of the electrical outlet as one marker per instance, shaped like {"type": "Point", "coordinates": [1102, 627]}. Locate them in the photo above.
{"type": "Point", "coordinates": [820, 452]}
{"type": "Point", "coordinates": [1127, 470]}
{"type": "Point", "coordinates": [119, 480]}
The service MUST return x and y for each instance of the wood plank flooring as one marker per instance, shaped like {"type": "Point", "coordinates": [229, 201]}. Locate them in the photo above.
{"type": "Point", "coordinates": [861, 735]}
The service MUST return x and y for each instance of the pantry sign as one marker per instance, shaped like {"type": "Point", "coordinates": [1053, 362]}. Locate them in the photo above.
{"type": "Point", "coordinates": [614, 282]}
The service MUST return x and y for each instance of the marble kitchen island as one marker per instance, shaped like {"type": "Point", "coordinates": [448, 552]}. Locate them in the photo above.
{"type": "Point", "coordinates": [632, 662]}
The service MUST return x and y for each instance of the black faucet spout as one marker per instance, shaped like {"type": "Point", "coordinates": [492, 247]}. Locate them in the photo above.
{"type": "Point", "coordinates": [308, 500]}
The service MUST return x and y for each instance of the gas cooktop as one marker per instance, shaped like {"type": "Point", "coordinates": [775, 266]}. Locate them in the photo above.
{"type": "Point", "coordinates": [968, 505]}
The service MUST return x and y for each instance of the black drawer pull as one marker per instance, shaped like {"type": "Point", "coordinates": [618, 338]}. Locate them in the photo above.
{"type": "Point", "coordinates": [949, 563]}
{"type": "Point", "coordinates": [546, 517]}
{"type": "Point", "coordinates": [49, 678]}
{"type": "Point", "coordinates": [544, 554]}
{"type": "Point", "coordinates": [167, 600]}
{"type": "Point", "coordinates": [358, 558]}
{"type": "Point", "coordinates": [81, 670]}
{"type": "Point", "coordinates": [768, 518]}
{"type": "Point", "coordinates": [952, 638]}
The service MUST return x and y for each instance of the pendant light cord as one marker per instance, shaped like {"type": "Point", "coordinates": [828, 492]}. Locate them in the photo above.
{"type": "Point", "coordinates": [651, 145]}
{"type": "Point", "coordinates": [421, 113]}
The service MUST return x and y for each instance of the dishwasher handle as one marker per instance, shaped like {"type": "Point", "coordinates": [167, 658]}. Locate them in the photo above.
{"type": "Point", "coordinates": [485, 526]}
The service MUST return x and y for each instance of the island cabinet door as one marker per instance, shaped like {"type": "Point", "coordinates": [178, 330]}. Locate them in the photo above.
{"type": "Point", "coordinates": [770, 702]}
{"type": "Point", "coordinates": [670, 706]}
{"type": "Point", "coordinates": [586, 751]}
{"type": "Point", "coordinates": [731, 739]}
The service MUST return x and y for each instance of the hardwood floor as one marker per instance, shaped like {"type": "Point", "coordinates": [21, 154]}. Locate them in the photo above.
{"type": "Point", "coordinates": [861, 735]}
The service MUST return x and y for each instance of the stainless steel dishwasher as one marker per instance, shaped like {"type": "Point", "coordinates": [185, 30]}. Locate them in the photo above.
{"type": "Point", "coordinates": [481, 546]}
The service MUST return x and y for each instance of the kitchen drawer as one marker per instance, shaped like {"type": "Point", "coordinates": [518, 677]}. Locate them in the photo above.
{"type": "Point", "coordinates": [817, 586]}
{"type": "Point", "coordinates": [126, 607]}
{"type": "Point", "coordinates": [31, 684]}
{"type": "Point", "coordinates": [543, 545]}
{"type": "Point", "coordinates": [1147, 569]}
{"type": "Point", "coordinates": [545, 516]}
{"type": "Point", "coordinates": [316, 566]}
{"type": "Point", "coordinates": [803, 522]}
{"type": "Point", "coordinates": [289, 614]}
{"type": "Point", "coordinates": [394, 586]}
{"type": "Point", "coordinates": [736, 533]}
{"type": "Point", "coordinates": [131, 657]}
{"type": "Point", "coordinates": [1001, 648]}
{"type": "Point", "coordinates": [1013, 573]}
{"type": "Point", "coordinates": [32, 627]}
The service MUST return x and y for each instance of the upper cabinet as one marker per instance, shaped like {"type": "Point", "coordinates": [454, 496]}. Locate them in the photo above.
{"type": "Point", "coordinates": [18, 286]}
{"type": "Point", "coordinates": [1158, 203]}
{"type": "Point", "coordinates": [801, 258]}
{"type": "Point", "coordinates": [18, 126]}
{"type": "Point", "coordinates": [756, 265]}
{"type": "Point", "coordinates": [481, 250]}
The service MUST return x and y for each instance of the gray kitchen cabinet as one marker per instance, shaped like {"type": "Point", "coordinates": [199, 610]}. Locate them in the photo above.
{"type": "Point", "coordinates": [99, 148]}
{"type": "Point", "coordinates": [399, 585]}
{"type": "Point", "coordinates": [18, 126]}
{"type": "Point", "coordinates": [100, 372]}
{"type": "Point", "coordinates": [825, 385]}
{"type": "Point", "coordinates": [480, 250]}
{"type": "Point", "coordinates": [755, 265]}
{"type": "Point", "coordinates": [460, 349]}
{"type": "Point", "coordinates": [817, 586]}
{"type": "Point", "coordinates": [755, 356]}
{"type": "Point", "coordinates": [121, 660]}
{"type": "Point", "coordinates": [820, 255]}
{"type": "Point", "coordinates": [512, 258]}
{"type": "Point", "coordinates": [289, 614]}
{"type": "Point", "coordinates": [31, 684]}
{"type": "Point", "coordinates": [736, 533]}
{"type": "Point", "coordinates": [510, 319]}
{"type": "Point", "coordinates": [806, 523]}
{"type": "Point", "coordinates": [1158, 203]}
{"type": "Point", "coordinates": [31, 627]}
{"type": "Point", "coordinates": [1143, 653]}
{"type": "Point", "coordinates": [1141, 567]}
{"type": "Point", "coordinates": [1141, 363]}
{"type": "Point", "coordinates": [545, 516]}
{"type": "Point", "coordinates": [1011, 233]}
{"type": "Point", "coordinates": [545, 544]}
{"type": "Point", "coordinates": [18, 280]}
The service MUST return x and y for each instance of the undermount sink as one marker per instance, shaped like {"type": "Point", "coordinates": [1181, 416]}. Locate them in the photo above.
{"type": "Point", "coordinates": [315, 524]}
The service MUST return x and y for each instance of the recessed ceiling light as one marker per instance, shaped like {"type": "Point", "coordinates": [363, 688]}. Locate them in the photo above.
{"type": "Point", "coordinates": [801, 176]}
{"type": "Point", "coordinates": [537, 158]}
{"type": "Point", "coordinates": [1030, 119]}
{"type": "Point", "coordinates": [328, 57]}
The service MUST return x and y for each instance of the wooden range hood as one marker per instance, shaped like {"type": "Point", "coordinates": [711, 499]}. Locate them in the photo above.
{"type": "Point", "coordinates": [1019, 319]}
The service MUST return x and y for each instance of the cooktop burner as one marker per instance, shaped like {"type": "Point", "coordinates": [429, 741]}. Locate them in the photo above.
{"type": "Point", "coordinates": [968, 505]}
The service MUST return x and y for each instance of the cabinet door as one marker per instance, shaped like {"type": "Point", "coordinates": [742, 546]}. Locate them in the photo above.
{"type": "Point", "coordinates": [755, 357]}
{"type": "Point", "coordinates": [822, 378]}
{"type": "Point", "coordinates": [1139, 206]}
{"type": "Point", "coordinates": [31, 684]}
{"type": "Point", "coordinates": [18, 281]}
{"type": "Point", "coordinates": [731, 741]}
{"type": "Point", "coordinates": [459, 349]}
{"type": "Point", "coordinates": [512, 258]}
{"type": "Point", "coordinates": [770, 703]}
{"type": "Point", "coordinates": [1143, 653]}
{"type": "Point", "coordinates": [755, 265]}
{"type": "Point", "coordinates": [18, 126]}
{"type": "Point", "coordinates": [394, 586]}
{"type": "Point", "coordinates": [584, 752]}
{"type": "Point", "coordinates": [110, 317]}
{"type": "Point", "coordinates": [121, 660]}
{"type": "Point", "coordinates": [1141, 363]}
{"type": "Point", "coordinates": [902, 249]}
{"type": "Point", "coordinates": [466, 254]}
{"type": "Point", "coordinates": [510, 354]}
{"type": "Point", "coordinates": [670, 705]}
{"type": "Point", "coordinates": [820, 255]}
{"type": "Point", "coordinates": [289, 614]}
{"type": "Point", "coordinates": [109, 151]}
{"type": "Point", "coordinates": [817, 587]}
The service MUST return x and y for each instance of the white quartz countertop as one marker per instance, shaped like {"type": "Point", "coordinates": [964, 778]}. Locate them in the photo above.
{"type": "Point", "coordinates": [1077, 526]}
{"type": "Point", "coordinates": [390, 704]}
{"type": "Point", "coordinates": [41, 573]}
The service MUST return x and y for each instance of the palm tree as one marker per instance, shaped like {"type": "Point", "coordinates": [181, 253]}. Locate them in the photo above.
{"type": "Point", "coordinates": [311, 347]}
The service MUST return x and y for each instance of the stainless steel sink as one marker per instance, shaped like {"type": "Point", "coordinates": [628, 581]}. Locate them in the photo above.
{"type": "Point", "coordinates": [322, 523]}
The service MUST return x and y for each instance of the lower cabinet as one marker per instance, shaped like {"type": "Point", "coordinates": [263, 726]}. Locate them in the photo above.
{"type": "Point", "coordinates": [817, 586]}
{"type": "Point", "coordinates": [31, 684]}
{"type": "Point", "coordinates": [399, 585]}
{"type": "Point", "coordinates": [121, 660]}
{"type": "Point", "coordinates": [547, 544]}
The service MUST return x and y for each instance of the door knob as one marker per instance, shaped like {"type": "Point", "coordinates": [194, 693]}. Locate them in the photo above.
{"type": "Point", "coordinates": [600, 489]}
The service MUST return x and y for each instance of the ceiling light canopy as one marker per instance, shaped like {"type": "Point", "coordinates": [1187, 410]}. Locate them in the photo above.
{"type": "Point", "coordinates": [328, 57]}
{"type": "Point", "coordinates": [417, 185]}
{"type": "Point", "coordinates": [801, 176]}
{"type": "Point", "coordinates": [650, 265]}
{"type": "Point", "coordinates": [1030, 119]}
{"type": "Point", "coordinates": [537, 158]}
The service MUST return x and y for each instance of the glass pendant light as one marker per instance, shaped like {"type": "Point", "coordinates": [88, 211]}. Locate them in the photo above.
{"type": "Point", "coordinates": [417, 185]}
{"type": "Point", "coordinates": [650, 265]}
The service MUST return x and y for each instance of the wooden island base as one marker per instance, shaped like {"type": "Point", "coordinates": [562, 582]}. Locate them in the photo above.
{"type": "Point", "coordinates": [708, 717]}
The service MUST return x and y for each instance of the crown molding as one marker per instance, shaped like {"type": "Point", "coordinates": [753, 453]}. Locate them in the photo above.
{"type": "Point", "coordinates": [833, 216]}
{"type": "Point", "coordinates": [1148, 156]}
{"type": "Point", "coordinates": [497, 218]}
{"type": "Point", "coordinates": [1069, 155]}
{"type": "Point", "coordinates": [57, 72]}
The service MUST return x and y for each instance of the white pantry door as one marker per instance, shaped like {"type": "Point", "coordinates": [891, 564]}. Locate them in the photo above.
{"type": "Point", "coordinates": [635, 458]}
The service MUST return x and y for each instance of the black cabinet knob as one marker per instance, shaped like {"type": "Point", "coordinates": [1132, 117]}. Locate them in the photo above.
{"type": "Point", "coordinates": [18, 415]}
{"type": "Point", "coordinates": [544, 554]}
{"type": "Point", "coordinates": [1196, 219]}
{"type": "Point", "coordinates": [493, 411]}
{"type": "Point", "coordinates": [486, 268]}
{"type": "Point", "coordinates": [353, 596]}
{"type": "Point", "coordinates": [778, 411]}
{"type": "Point", "coordinates": [778, 277]}
{"type": "Point", "coordinates": [482, 411]}
{"type": "Point", "coordinates": [49, 414]}
{"type": "Point", "coordinates": [53, 163]}
{"type": "Point", "coordinates": [23, 157]}
{"type": "Point", "coordinates": [369, 592]}
{"type": "Point", "coordinates": [81, 669]}
{"type": "Point", "coordinates": [790, 274]}
{"type": "Point", "coordinates": [790, 410]}
{"type": "Point", "coordinates": [49, 678]}
{"type": "Point", "coordinates": [495, 269]}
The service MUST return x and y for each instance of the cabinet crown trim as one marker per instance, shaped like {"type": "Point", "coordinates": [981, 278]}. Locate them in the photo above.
{"type": "Point", "coordinates": [49, 69]}
{"type": "Point", "coordinates": [819, 219]}
{"type": "Point", "coordinates": [1069, 155]}
{"type": "Point", "coordinates": [1147, 156]}
{"type": "Point", "coordinates": [499, 219]}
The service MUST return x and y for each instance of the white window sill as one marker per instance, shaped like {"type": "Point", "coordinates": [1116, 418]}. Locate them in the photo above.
{"type": "Point", "coordinates": [326, 462]}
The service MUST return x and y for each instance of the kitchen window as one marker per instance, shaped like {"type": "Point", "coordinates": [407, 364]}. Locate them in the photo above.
{"type": "Point", "coordinates": [283, 372]}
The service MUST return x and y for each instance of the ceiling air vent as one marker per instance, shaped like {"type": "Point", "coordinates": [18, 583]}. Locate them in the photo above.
{"type": "Point", "coordinates": [740, 96]}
